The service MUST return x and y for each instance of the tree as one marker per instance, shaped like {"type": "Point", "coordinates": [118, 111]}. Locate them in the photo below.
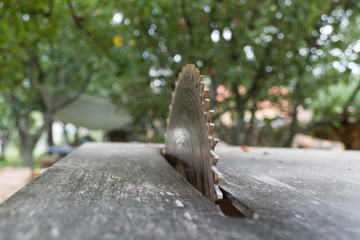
{"type": "Point", "coordinates": [132, 51]}
{"type": "Point", "coordinates": [256, 45]}
{"type": "Point", "coordinates": [5, 127]}
{"type": "Point", "coordinates": [39, 51]}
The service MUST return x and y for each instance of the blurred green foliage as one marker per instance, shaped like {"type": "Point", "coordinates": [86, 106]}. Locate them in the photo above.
{"type": "Point", "coordinates": [133, 50]}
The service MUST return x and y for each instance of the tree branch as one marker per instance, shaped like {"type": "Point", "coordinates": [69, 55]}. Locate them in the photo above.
{"type": "Point", "coordinates": [78, 19]}
{"type": "Point", "coordinates": [23, 131]}
{"type": "Point", "coordinates": [40, 130]}
{"type": "Point", "coordinates": [218, 114]}
{"type": "Point", "coordinates": [351, 98]}
{"type": "Point", "coordinates": [340, 116]}
{"type": "Point", "coordinates": [188, 22]}
{"type": "Point", "coordinates": [260, 74]}
{"type": "Point", "coordinates": [71, 99]}
{"type": "Point", "coordinates": [42, 12]}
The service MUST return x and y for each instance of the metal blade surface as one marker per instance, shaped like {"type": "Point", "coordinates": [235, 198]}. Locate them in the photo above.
{"type": "Point", "coordinates": [187, 141]}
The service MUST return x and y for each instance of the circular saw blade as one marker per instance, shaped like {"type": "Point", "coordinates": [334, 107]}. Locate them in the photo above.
{"type": "Point", "coordinates": [190, 144]}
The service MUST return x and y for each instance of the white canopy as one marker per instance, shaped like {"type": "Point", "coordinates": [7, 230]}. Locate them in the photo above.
{"type": "Point", "coordinates": [88, 111]}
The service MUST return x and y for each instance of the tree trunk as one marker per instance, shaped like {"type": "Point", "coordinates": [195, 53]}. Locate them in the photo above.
{"type": "Point", "coordinates": [76, 139]}
{"type": "Point", "coordinates": [2, 156]}
{"type": "Point", "coordinates": [27, 147]}
{"type": "Point", "coordinates": [28, 140]}
{"type": "Point", "coordinates": [50, 139]}
{"type": "Point", "coordinates": [293, 127]}
{"type": "Point", "coordinates": [239, 127]}
{"type": "Point", "coordinates": [249, 134]}
{"type": "Point", "coordinates": [4, 142]}
{"type": "Point", "coordinates": [3, 145]}
{"type": "Point", "coordinates": [283, 139]}
{"type": "Point", "coordinates": [238, 137]}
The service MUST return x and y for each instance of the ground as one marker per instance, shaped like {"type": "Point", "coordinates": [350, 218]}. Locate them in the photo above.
{"type": "Point", "coordinates": [13, 179]}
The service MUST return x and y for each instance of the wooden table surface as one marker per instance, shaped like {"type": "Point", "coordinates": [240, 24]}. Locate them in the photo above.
{"type": "Point", "coordinates": [304, 194]}
{"type": "Point", "coordinates": [129, 191]}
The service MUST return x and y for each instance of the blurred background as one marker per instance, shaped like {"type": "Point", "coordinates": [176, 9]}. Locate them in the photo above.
{"type": "Point", "coordinates": [92, 70]}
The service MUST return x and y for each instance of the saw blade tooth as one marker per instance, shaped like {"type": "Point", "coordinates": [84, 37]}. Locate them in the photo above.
{"type": "Point", "coordinates": [217, 175]}
{"type": "Point", "coordinates": [209, 116]}
{"type": "Point", "coordinates": [199, 80]}
{"type": "Point", "coordinates": [205, 94]}
{"type": "Point", "coordinates": [195, 73]}
{"type": "Point", "coordinates": [215, 159]}
{"type": "Point", "coordinates": [218, 194]}
{"type": "Point", "coordinates": [206, 105]}
{"type": "Point", "coordinates": [202, 87]}
{"type": "Point", "coordinates": [211, 129]}
{"type": "Point", "coordinates": [214, 142]}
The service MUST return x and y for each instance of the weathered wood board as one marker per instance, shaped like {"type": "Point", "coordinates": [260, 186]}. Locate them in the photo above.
{"type": "Point", "coordinates": [113, 191]}
{"type": "Point", "coordinates": [129, 191]}
{"type": "Point", "coordinates": [305, 194]}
